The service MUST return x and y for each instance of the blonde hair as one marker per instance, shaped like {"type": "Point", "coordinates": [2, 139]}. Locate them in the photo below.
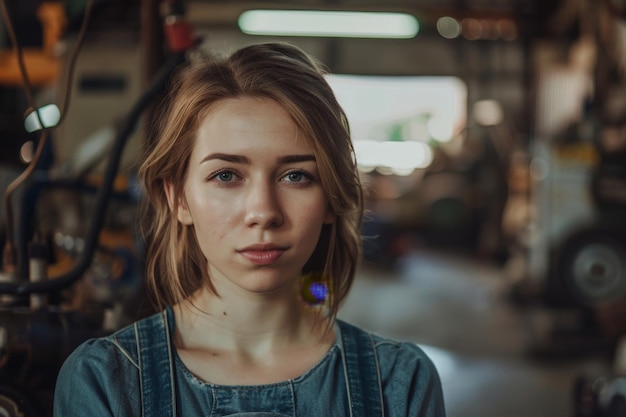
{"type": "Point", "coordinates": [175, 265]}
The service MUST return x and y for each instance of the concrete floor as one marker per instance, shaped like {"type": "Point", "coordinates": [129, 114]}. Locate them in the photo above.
{"type": "Point", "coordinates": [459, 311]}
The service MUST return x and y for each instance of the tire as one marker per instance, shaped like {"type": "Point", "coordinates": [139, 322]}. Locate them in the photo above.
{"type": "Point", "coordinates": [592, 267]}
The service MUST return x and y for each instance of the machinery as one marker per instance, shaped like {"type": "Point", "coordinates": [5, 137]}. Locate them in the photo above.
{"type": "Point", "coordinates": [72, 251]}
{"type": "Point", "coordinates": [577, 239]}
{"type": "Point", "coordinates": [577, 236]}
{"type": "Point", "coordinates": [602, 395]}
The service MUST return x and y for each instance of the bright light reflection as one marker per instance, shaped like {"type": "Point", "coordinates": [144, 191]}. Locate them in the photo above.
{"type": "Point", "coordinates": [418, 131]}
{"type": "Point", "coordinates": [393, 118]}
{"type": "Point", "coordinates": [27, 151]}
{"type": "Point", "coordinates": [449, 27]}
{"type": "Point", "coordinates": [399, 158]}
{"type": "Point", "coordinates": [329, 24]}
{"type": "Point", "coordinates": [49, 114]}
{"type": "Point", "coordinates": [375, 105]}
{"type": "Point", "coordinates": [488, 112]}
{"type": "Point", "coordinates": [440, 129]}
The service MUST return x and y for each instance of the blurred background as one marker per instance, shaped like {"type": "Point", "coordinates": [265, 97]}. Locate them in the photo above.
{"type": "Point", "coordinates": [490, 136]}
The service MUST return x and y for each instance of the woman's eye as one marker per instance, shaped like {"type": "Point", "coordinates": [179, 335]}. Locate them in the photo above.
{"type": "Point", "coordinates": [223, 176]}
{"type": "Point", "coordinates": [297, 177]}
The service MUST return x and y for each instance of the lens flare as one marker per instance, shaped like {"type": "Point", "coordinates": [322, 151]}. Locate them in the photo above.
{"type": "Point", "coordinates": [315, 289]}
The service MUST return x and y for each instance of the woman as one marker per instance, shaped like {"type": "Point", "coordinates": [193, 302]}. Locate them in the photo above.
{"type": "Point", "coordinates": [256, 208]}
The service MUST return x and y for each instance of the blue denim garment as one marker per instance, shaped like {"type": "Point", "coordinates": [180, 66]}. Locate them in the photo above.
{"type": "Point", "coordinates": [102, 378]}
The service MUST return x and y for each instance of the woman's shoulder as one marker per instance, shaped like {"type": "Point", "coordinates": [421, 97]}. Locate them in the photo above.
{"type": "Point", "coordinates": [100, 377]}
{"type": "Point", "coordinates": [409, 378]}
{"type": "Point", "coordinates": [119, 346]}
{"type": "Point", "coordinates": [397, 355]}
{"type": "Point", "coordinates": [106, 352]}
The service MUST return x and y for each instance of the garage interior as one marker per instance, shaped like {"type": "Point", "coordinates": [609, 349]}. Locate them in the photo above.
{"type": "Point", "coordinates": [498, 244]}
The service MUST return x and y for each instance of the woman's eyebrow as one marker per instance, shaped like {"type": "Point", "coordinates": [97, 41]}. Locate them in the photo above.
{"type": "Point", "coordinates": [240, 159]}
{"type": "Point", "coordinates": [289, 159]}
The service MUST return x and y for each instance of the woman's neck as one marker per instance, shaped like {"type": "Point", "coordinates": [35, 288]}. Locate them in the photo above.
{"type": "Point", "coordinates": [252, 327]}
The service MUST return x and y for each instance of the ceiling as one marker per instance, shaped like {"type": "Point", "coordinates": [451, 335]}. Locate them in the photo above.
{"type": "Point", "coordinates": [536, 13]}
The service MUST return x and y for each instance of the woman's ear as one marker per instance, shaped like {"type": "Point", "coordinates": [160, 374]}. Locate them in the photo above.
{"type": "Point", "coordinates": [177, 205]}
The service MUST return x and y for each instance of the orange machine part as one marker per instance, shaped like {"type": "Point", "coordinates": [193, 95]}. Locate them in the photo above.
{"type": "Point", "coordinates": [42, 66]}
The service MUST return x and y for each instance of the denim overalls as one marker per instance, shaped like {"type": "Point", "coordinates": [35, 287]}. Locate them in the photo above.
{"type": "Point", "coordinates": [150, 339]}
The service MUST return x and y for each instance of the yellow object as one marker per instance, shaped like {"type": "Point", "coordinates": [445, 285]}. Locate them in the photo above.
{"type": "Point", "coordinates": [584, 153]}
{"type": "Point", "coordinates": [42, 66]}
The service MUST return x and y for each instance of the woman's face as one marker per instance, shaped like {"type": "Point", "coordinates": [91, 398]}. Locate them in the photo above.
{"type": "Point", "coordinates": [253, 196]}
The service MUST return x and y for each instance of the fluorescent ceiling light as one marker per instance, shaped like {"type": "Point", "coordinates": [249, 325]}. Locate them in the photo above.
{"type": "Point", "coordinates": [329, 24]}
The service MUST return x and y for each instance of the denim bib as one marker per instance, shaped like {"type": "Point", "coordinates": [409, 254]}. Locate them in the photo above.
{"type": "Point", "coordinates": [152, 341]}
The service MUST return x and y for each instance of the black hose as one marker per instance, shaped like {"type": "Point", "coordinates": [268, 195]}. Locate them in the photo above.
{"type": "Point", "coordinates": [22, 286]}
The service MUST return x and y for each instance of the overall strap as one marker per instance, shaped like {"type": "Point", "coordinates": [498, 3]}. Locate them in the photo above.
{"type": "Point", "coordinates": [362, 372]}
{"type": "Point", "coordinates": [158, 396]}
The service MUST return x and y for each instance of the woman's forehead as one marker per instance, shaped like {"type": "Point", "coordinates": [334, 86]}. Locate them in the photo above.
{"type": "Point", "coordinates": [250, 126]}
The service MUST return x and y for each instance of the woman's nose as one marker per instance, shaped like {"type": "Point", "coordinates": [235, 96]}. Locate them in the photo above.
{"type": "Point", "coordinates": [263, 207]}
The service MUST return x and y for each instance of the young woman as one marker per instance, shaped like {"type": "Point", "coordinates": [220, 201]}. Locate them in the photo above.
{"type": "Point", "coordinates": [256, 209]}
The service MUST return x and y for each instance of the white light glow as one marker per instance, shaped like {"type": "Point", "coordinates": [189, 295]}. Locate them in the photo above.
{"type": "Point", "coordinates": [329, 24]}
{"type": "Point", "coordinates": [49, 114]}
{"type": "Point", "coordinates": [449, 27]}
{"type": "Point", "coordinates": [418, 131]}
{"type": "Point", "coordinates": [399, 158]}
{"type": "Point", "coordinates": [488, 112]}
{"type": "Point", "coordinates": [378, 106]}
{"type": "Point", "coordinates": [440, 129]}
{"type": "Point", "coordinates": [393, 120]}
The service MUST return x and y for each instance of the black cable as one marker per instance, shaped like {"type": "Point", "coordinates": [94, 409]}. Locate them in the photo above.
{"type": "Point", "coordinates": [24, 287]}
{"type": "Point", "coordinates": [9, 252]}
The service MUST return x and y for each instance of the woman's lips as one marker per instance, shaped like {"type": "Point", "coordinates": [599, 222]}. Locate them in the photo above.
{"type": "Point", "coordinates": [262, 257]}
{"type": "Point", "coordinates": [263, 253]}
